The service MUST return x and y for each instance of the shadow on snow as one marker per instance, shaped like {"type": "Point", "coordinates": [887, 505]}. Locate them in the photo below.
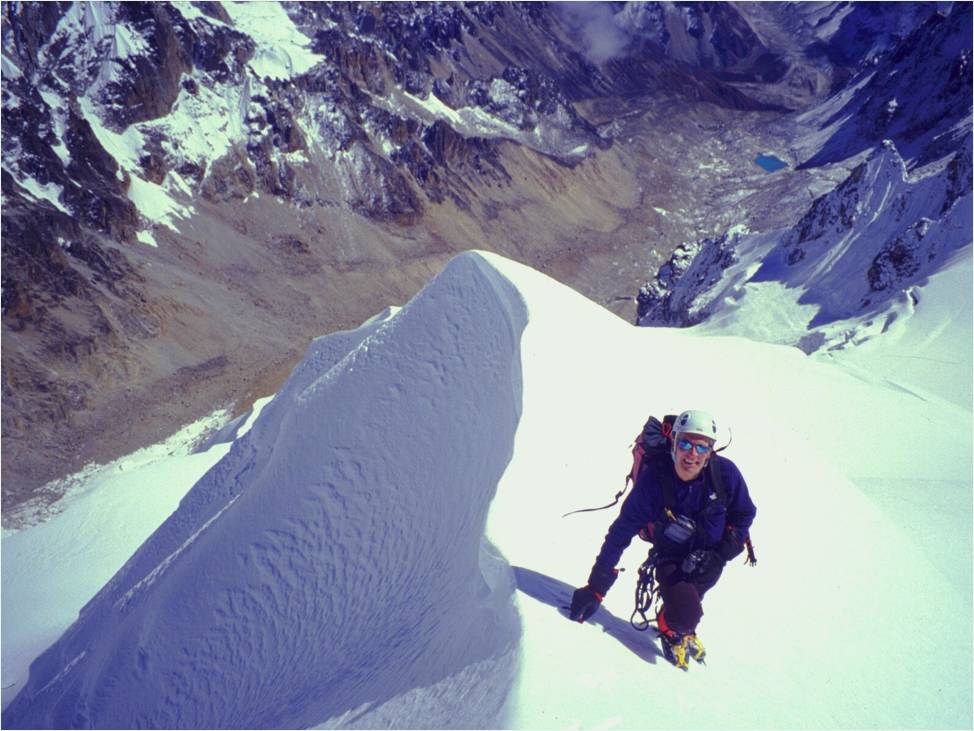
{"type": "Point", "coordinates": [558, 595]}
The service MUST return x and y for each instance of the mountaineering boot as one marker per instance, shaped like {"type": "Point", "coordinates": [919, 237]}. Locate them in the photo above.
{"type": "Point", "coordinates": [675, 644]}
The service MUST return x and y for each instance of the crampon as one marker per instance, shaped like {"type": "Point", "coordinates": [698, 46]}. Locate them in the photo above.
{"type": "Point", "coordinates": [680, 649]}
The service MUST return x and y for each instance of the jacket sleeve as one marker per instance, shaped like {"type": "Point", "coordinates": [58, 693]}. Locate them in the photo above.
{"type": "Point", "coordinates": [638, 509]}
{"type": "Point", "coordinates": [740, 508]}
{"type": "Point", "coordinates": [740, 512]}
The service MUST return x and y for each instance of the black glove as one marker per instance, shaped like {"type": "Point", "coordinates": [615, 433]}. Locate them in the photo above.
{"type": "Point", "coordinates": [674, 537]}
{"type": "Point", "coordinates": [587, 599]}
{"type": "Point", "coordinates": [702, 566]}
{"type": "Point", "coordinates": [584, 603]}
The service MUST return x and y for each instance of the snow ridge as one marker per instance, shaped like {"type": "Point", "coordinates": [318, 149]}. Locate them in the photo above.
{"type": "Point", "coordinates": [122, 604]}
{"type": "Point", "coordinates": [260, 599]}
{"type": "Point", "coordinates": [833, 250]}
{"type": "Point", "coordinates": [702, 263]}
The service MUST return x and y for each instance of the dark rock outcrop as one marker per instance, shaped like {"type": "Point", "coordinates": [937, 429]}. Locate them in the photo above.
{"type": "Point", "coordinates": [915, 95]}
{"type": "Point", "coordinates": [693, 268]}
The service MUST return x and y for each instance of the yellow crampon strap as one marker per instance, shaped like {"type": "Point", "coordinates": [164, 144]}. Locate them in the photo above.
{"type": "Point", "coordinates": [689, 646]}
{"type": "Point", "coordinates": [696, 646]}
{"type": "Point", "coordinates": [680, 654]}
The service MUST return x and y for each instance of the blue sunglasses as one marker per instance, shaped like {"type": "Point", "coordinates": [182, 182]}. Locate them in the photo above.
{"type": "Point", "coordinates": [685, 445]}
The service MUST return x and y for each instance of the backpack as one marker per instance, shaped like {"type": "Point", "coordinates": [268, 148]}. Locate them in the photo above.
{"type": "Point", "coordinates": [656, 439]}
{"type": "Point", "coordinates": [654, 442]}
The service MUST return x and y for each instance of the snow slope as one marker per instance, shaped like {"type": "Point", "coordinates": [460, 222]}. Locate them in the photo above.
{"type": "Point", "coordinates": [357, 557]}
{"type": "Point", "coordinates": [930, 325]}
{"type": "Point", "coordinates": [102, 521]}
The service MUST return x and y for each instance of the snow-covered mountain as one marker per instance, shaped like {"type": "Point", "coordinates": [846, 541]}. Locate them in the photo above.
{"type": "Point", "coordinates": [191, 189]}
{"type": "Point", "coordinates": [713, 36]}
{"type": "Point", "coordinates": [382, 545]}
{"type": "Point", "coordinates": [917, 93]}
{"type": "Point", "coordinates": [856, 34]}
{"type": "Point", "coordinates": [849, 263]}
{"type": "Point", "coordinates": [856, 251]}
{"type": "Point", "coordinates": [167, 166]}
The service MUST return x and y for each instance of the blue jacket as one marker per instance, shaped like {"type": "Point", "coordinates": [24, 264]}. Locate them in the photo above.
{"type": "Point", "coordinates": [696, 499]}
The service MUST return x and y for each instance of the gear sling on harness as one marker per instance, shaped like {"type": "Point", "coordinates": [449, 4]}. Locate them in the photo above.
{"type": "Point", "coordinates": [647, 594]}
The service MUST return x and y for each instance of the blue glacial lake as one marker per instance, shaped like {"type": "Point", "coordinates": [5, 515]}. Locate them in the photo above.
{"type": "Point", "coordinates": [770, 162]}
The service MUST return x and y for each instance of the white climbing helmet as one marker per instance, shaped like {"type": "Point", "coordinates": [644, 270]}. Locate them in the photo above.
{"type": "Point", "coordinates": [696, 421]}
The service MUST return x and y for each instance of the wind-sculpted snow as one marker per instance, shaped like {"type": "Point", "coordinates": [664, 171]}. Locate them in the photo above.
{"type": "Point", "coordinates": [337, 552]}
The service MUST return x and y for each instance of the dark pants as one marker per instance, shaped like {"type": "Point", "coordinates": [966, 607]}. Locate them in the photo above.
{"type": "Point", "coordinates": [682, 599]}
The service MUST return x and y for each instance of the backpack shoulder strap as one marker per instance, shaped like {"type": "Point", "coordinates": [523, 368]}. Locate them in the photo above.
{"type": "Point", "coordinates": [656, 437]}
{"type": "Point", "coordinates": [667, 486]}
{"type": "Point", "coordinates": [718, 479]}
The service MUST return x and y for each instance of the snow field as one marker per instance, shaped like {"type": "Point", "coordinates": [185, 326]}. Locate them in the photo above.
{"type": "Point", "coordinates": [282, 50]}
{"type": "Point", "coordinates": [347, 581]}
{"type": "Point", "coordinates": [53, 569]}
{"type": "Point", "coordinates": [834, 570]}
{"type": "Point", "coordinates": [923, 347]}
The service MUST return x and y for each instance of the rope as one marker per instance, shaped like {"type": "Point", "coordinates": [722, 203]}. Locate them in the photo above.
{"type": "Point", "coordinates": [646, 594]}
{"type": "Point", "coordinates": [604, 507]}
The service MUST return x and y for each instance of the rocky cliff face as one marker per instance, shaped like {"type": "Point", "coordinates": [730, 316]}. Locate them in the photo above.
{"type": "Point", "coordinates": [882, 229]}
{"type": "Point", "coordinates": [673, 296]}
{"type": "Point", "coordinates": [916, 93]}
{"type": "Point", "coordinates": [193, 190]}
{"type": "Point", "coordinates": [714, 36]}
{"type": "Point", "coordinates": [854, 252]}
